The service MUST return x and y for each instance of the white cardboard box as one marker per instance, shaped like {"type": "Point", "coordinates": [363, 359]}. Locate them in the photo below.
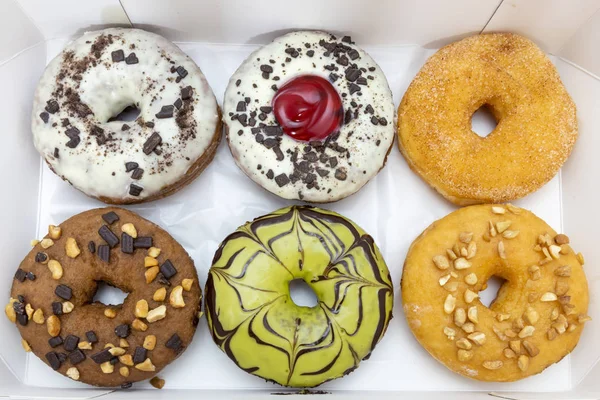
{"type": "Point", "coordinates": [394, 208]}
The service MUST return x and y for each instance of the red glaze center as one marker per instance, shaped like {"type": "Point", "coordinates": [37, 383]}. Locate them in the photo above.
{"type": "Point", "coordinates": [308, 108]}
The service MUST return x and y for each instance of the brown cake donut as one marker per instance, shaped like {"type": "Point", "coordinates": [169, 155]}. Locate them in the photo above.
{"type": "Point", "coordinates": [52, 298]}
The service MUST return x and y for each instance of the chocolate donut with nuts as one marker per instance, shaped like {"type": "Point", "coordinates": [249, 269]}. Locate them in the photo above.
{"type": "Point", "coordinates": [52, 296]}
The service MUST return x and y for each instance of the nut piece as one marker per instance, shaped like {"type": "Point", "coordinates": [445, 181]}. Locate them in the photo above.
{"type": "Point", "coordinates": [531, 348]}
{"type": "Point", "coordinates": [449, 304]}
{"type": "Point", "coordinates": [460, 317]}
{"type": "Point", "coordinates": [138, 325]}
{"type": "Point", "coordinates": [107, 367]}
{"type": "Point", "coordinates": [548, 296]}
{"type": "Point", "coordinates": [499, 333]}
{"type": "Point", "coordinates": [502, 226]}
{"type": "Point", "coordinates": [515, 345]}
{"type": "Point", "coordinates": [502, 317]}
{"type": "Point", "coordinates": [67, 307]}
{"type": "Point", "coordinates": [55, 269]}
{"type": "Point", "coordinates": [116, 351]}
{"type": "Point", "coordinates": [462, 263]}
{"type": "Point", "coordinates": [151, 274]}
{"type": "Point", "coordinates": [25, 345]}
{"type": "Point", "coordinates": [582, 318]}
{"type": "Point", "coordinates": [451, 254]}
{"type": "Point", "coordinates": [157, 382]}
{"type": "Point", "coordinates": [71, 248]}
{"type": "Point", "coordinates": [54, 232]}
{"type": "Point", "coordinates": [141, 309]}
{"type": "Point", "coordinates": [493, 232]}
{"type": "Point", "coordinates": [441, 262]}
{"type": "Point", "coordinates": [571, 327]}
{"type": "Point", "coordinates": [477, 338]}
{"type": "Point", "coordinates": [160, 294]}
{"type": "Point", "coordinates": [564, 271]}
{"type": "Point", "coordinates": [449, 332]}
{"type": "Point", "coordinates": [471, 279]}
{"type": "Point", "coordinates": [129, 229]}
{"type": "Point", "coordinates": [73, 373]}
{"type": "Point", "coordinates": [444, 279]}
{"type": "Point", "coordinates": [508, 353]}
{"type": "Point", "coordinates": [470, 296]}
{"type": "Point", "coordinates": [85, 345]}
{"type": "Point", "coordinates": [176, 297]}
{"type": "Point", "coordinates": [464, 355]}
{"type": "Point", "coordinates": [492, 365]}
{"type": "Point", "coordinates": [149, 342]}
{"type": "Point", "coordinates": [501, 251]}
{"type": "Point", "coordinates": [471, 250]}
{"type": "Point", "coordinates": [34, 242]}
{"type": "Point", "coordinates": [534, 272]}
{"type": "Point", "coordinates": [124, 371]}
{"type": "Point", "coordinates": [46, 243]}
{"type": "Point", "coordinates": [523, 362]}
{"type": "Point", "coordinates": [473, 315]}
{"type": "Point", "coordinates": [580, 258]}
{"type": "Point", "coordinates": [154, 252]}
{"type": "Point", "coordinates": [463, 343]}
{"type": "Point", "coordinates": [126, 359]}
{"type": "Point", "coordinates": [561, 239]}
{"type": "Point", "coordinates": [150, 262]}
{"type": "Point", "coordinates": [510, 234]}
{"type": "Point", "coordinates": [562, 287]}
{"type": "Point", "coordinates": [531, 316]}
{"type": "Point", "coordinates": [451, 286]}
{"type": "Point", "coordinates": [123, 343]}
{"type": "Point", "coordinates": [29, 311]}
{"type": "Point", "coordinates": [110, 313]}
{"type": "Point", "coordinates": [187, 284]}
{"type": "Point", "coordinates": [554, 251]}
{"type": "Point", "coordinates": [552, 334]}
{"type": "Point", "coordinates": [157, 314]}
{"type": "Point", "coordinates": [53, 325]}
{"type": "Point", "coordinates": [38, 316]}
{"type": "Point", "coordinates": [498, 210]}
{"type": "Point", "coordinates": [526, 331]}
{"type": "Point", "coordinates": [465, 237]}
{"type": "Point", "coordinates": [532, 297]}
{"type": "Point", "coordinates": [468, 327]}
{"type": "Point", "coordinates": [146, 366]}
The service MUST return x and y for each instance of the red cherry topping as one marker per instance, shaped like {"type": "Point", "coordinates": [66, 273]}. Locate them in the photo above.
{"type": "Point", "coordinates": [308, 108]}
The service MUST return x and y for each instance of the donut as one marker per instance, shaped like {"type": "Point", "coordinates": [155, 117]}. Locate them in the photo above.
{"type": "Point", "coordinates": [538, 314]}
{"type": "Point", "coordinates": [94, 79]}
{"type": "Point", "coordinates": [511, 76]}
{"type": "Point", "coordinates": [52, 296]}
{"type": "Point", "coordinates": [309, 117]}
{"type": "Point", "coordinates": [253, 319]}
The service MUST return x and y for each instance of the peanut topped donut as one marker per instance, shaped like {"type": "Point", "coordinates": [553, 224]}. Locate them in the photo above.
{"type": "Point", "coordinates": [309, 117]}
{"type": "Point", "coordinates": [538, 314]}
{"type": "Point", "coordinates": [537, 125]}
{"type": "Point", "coordinates": [52, 298]}
{"type": "Point", "coordinates": [96, 77]}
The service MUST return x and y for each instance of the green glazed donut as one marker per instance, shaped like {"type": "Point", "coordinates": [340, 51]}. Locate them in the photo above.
{"type": "Point", "coordinates": [253, 319]}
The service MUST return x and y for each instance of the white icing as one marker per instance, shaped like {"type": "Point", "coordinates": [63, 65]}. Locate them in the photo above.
{"type": "Point", "coordinates": [367, 145]}
{"type": "Point", "coordinates": [107, 89]}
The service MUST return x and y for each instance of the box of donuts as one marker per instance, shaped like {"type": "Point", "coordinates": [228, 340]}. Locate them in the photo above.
{"type": "Point", "coordinates": [392, 199]}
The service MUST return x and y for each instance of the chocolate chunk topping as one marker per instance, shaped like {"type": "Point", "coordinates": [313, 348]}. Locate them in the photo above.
{"type": "Point", "coordinates": [265, 109]}
{"type": "Point", "coordinates": [266, 68]}
{"type": "Point", "coordinates": [126, 243]}
{"type": "Point", "coordinates": [241, 106]}
{"type": "Point", "coordinates": [361, 81]}
{"type": "Point", "coordinates": [126, 385]}
{"type": "Point", "coordinates": [354, 88]}
{"type": "Point", "coordinates": [77, 356]}
{"type": "Point", "coordinates": [343, 60]}
{"type": "Point", "coordinates": [149, 124]}
{"type": "Point", "coordinates": [243, 119]}
{"type": "Point", "coordinates": [310, 53]}
{"type": "Point", "coordinates": [62, 357]}
{"type": "Point", "coordinates": [273, 130]}
{"type": "Point", "coordinates": [45, 117]}
{"type": "Point", "coordinates": [174, 342]}
{"type": "Point", "coordinates": [270, 143]}
{"type": "Point", "coordinates": [57, 308]}
{"type": "Point", "coordinates": [166, 112]}
{"type": "Point", "coordinates": [92, 247]}
{"type": "Point", "coordinates": [72, 132]}
{"type": "Point", "coordinates": [369, 109]}
{"type": "Point", "coordinates": [383, 121]}
{"type": "Point", "coordinates": [322, 172]}
{"type": "Point", "coordinates": [56, 152]}
{"type": "Point", "coordinates": [71, 342]}
{"type": "Point", "coordinates": [22, 319]}
{"type": "Point", "coordinates": [135, 190]}
{"type": "Point", "coordinates": [51, 106]}
{"type": "Point", "coordinates": [125, 127]}
{"type": "Point", "coordinates": [73, 142]}
{"type": "Point", "coordinates": [21, 298]}
{"type": "Point", "coordinates": [333, 162]}
{"type": "Point", "coordinates": [282, 180]}
{"type": "Point", "coordinates": [117, 55]}
{"type": "Point", "coordinates": [182, 72]}
{"type": "Point", "coordinates": [19, 307]}
{"type": "Point", "coordinates": [378, 142]}
{"type": "Point", "coordinates": [137, 174]}
{"type": "Point", "coordinates": [154, 140]}
{"type": "Point", "coordinates": [348, 116]}
{"type": "Point", "coordinates": [110, 217]}
{"type": "Point", "coordinates": [162, 280]}
{"type": "Point", "coordinates": [64, 292]}
{"type": "Point", "coordinates": [130, 166]}
{"type": "Point", "coordinates": [131, 59]}
{"type": "Point", "coordinates": [178, 103]}
{"type": "Point", "coordinates": [278, 153]}
{"type": "Point", "coordinates": [352, 74]}
{"type": "Point", "coordinates": [374, 120]}
{"type": "Point", "coordinates": [55, 341]}
{"type": "Point", "coordinates": [270, 174]}
{"type": "Point", "coordinates": [109, 237]}
{"type": "Point", "coordinates": [187, 92]}
{"type": "Point", "coordinates": [31, 276]}
{"type": "Point", "coordinates": [41, 257]}
{"type": "Point", "coordinates": [340, 174]}
{"type": "Point", "coordinates": [123, 330]}
{"type": "Point", "coordinates": [238, 82]}
{"type": "Point", "coordinates": [91, 337]}
{"type": "Point", "coordinates": [53, 360]}
{"type": "Point", "coordinates": [347, 39]}
{"type": "Point", "coordinates": [142, 242]}
{"type": "Point", "coordinates": [168, 269]}
{"type": "Point", "coordinates": [139, 355]}
{"type": "Point", "coordinates": [353, 54]}
{"type": "Point", "coordinates": [104, 253]}
{"type": "Point", "coordinates": [102, 356]}
{"type": "Point", "coordinates": [20, 275]}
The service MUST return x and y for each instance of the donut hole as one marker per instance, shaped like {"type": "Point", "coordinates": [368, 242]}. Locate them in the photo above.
{"type": "Point", "coordinates": [302, 295]}
{"type": "Point", "coordinates": [483, 121]}
{"type": "Point", "coordinates": [129, 113]}
{"type": "Point", "coordinates": [107, 294]}
{"type": "Point", "coordinates": [489, 295]}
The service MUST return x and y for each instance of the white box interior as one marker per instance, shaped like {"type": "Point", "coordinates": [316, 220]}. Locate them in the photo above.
{"type": "Point", "coordinates": [395, 207]}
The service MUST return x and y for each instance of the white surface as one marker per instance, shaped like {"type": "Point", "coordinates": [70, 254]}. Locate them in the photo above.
{"type": "Point", "coordinates": [395, 207]}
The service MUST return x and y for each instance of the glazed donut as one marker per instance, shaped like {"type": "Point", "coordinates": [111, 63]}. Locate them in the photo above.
{"type": "Point", "coordinates": [538, 314]}
{"type": "Point", "coordinates": [537, 125]}
{"type": "Point", "coordinates": [253, 319]}
{"type": "Point", "coordinates": [52, 298]}
{"type": "Point", "coordinates": [309, 117]}
{"type": "Point", "coordinates": [96, 77]}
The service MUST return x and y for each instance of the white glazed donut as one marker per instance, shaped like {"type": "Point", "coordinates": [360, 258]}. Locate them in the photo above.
{"type": "Point", "coordinates": [97, 76]}
{"type": "Point", "coordinates": [323, 170]}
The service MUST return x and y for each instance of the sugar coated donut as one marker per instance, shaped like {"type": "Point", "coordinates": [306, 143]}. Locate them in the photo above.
{"type": "Point", "coordinates": [253, 319]}
{"type": "Point", "coordinates": [309, 116]}
{"type": "Point", "coordinates": [538, 314]}
{"type": "Point", "coordinates": [537, 125]}
{"type": "Point", "coordinates": [96, 77]}
{"type": "Point", "coordinates": [52, 298]}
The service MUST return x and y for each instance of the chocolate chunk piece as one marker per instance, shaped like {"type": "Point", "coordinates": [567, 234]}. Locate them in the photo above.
{"type": "Point", "coordinates": [282, 180]}
{"type": "Point", "coordinates": [104, 253]}
{"type": "Point", "coordinates": [178, 103]}
{"type": "Point", "coordinates": [270, 143]}
{"type": "Point", "coordinates": [168, 269]}
{"type": "Point", "coordinates": [374, 120]}
{"type": "Point", "coordinates": [130, 166]}
{"type": "Point", "coordinates": [53, 360]}
{"type": "Point", "coordinates": [45, 117]}
{"type": "Point", "coordinates": [125, 127]}
{"type": "Point", "coordinates": [55, 341]}
{"type": "Point", "coordinates": [362, 81]}
{"type": "Point", "coordinates": [348, 116]}
{"type": "Point", "coordinates": [31, 276]}
{"type": "Point", "coordinates": [19, 307]}
{"type": "Point", "coordinates": [174, 342]}
{"type": "Point", "coordinates": [135, 190]}
{"type": "Point", "coordinates": [22, 319]}
{"type": "Point", "coordinates": [333, 162]}
{"type": "Point", "coordinates": [137, 174]}
{"type": "Point", "coordinates": [126, 385]}
{"type": "Point", "coordinates": [181, 71]}
{"type": "Point", "coordinates": [241, 106]}
{"type": "Point", "coordinates": [72, 132]}
{"type": "Point", "coordinates": [62, 357]}
{"type": "Point", "coordinates": [91, 337]}
{"type": "Point", "coordinates": [57, 308]}
{"type": "Point", "coordinates": [55, 152]}
{"type": "Point", "coordinates": [353, 54]}
{"type": "Point", "coordinates": [20, 275]}
{"type": "Point", "coordinates": [347, 39]}
{"type": "Point", "coordinates": [278, 153]}
{"type": "Point", "coordinates": [102, 356]}
{"type": "Point", "coordinates": [51, 106]}
{"type": "Point", "coordinates": [123, 330]}
{"type": "Point", "coordinates": [41, 257]}
{"type": "Point", "coordinates": [139, 355]}
{"type": "Point", "coordinates": [71, 342]}
{"type": "Point", "coordinates": [310, 53]}
{"type": "Point", "coordinates": [149, 124]}
{"type": "Point", "coordinates": [354, 88]}
{"type": "Point", "coordinates": [369, 109]}
{"type": "Point", "coordinates": [117, 55]}
{"type": "Point", "coordinates": [238, 82]}
{"type": "Point", "coordinates": [340, 174]}
{"type": "Point", "coordinates": [266, 109]}
{"type": "Point", "coordinates": [110, 217]}
{"type": "Point", "coordinates": [142, 242]}
{"type": "Point", "coordinates": [166, 112]}
{"type": "Point", "coordinates": [77, 356]}
{"type": "Point", "coordinates": [109, 237]}
{"type": "Point", "coordinates": [126, 243]}
{"type": "Point", "coordinates": [92, 247]}
{"type": "Point", "coordinates": [64, 292]}
{"type": "Point", "coordinates": [187, 92]}
{"type": "Point", "coordinates": [73, 142]}
{"type": "Point", "coordinates": [383, 121]}
{"type": "Point", "coordinates": [131, 59]}
{"type": "Point", "coordinates": [21, 300]}
{"type": "Point", "coordinates": [266, 68]}
{"type": "Point", "coordinates": [352, 74]}
{"type": "Point", "coordinates": [322, 172]}
{"type": "Point", "coordinates": [154, 140]}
